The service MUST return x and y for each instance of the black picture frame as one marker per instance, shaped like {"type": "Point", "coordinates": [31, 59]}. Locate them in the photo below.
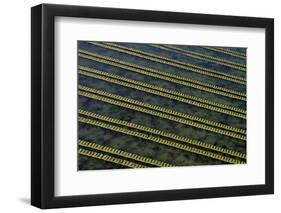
{"type": "Point", "coordinates": [43, 105]}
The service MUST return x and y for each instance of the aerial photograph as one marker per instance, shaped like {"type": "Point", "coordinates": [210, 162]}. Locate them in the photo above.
{"type": "Point", "coordinates": [149, 105]}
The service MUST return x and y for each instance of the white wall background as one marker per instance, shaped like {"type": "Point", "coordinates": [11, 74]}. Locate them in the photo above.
{"type": "Point", "coordinates": [15, 105]}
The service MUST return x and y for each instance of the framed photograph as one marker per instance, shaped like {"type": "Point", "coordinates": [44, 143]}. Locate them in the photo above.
{"type": "Point", "coordinates": [139, 106]}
